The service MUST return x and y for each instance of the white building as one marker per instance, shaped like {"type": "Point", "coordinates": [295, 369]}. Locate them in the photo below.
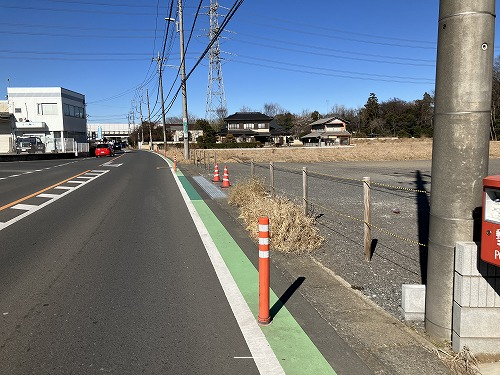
{"type": "Point", "coordinates": [116, 132]}
{"type": "Point", "coordinates": [55, 114]}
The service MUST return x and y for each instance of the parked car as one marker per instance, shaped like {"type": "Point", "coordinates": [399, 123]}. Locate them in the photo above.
{"type": "Point", "coordinates": [30, 145]}
{"type": "Point", "coordinates": [104, 149]}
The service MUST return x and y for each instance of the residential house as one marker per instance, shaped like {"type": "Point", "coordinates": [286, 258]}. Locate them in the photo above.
{"type": "Point", "coordinates": [177, 131]}
{"type": "Point", "coordinates": [253, 127]}
{"type": "Point", "coordinates": [328, 131]}
{"type": "Point", "coordinates": [54, 114]}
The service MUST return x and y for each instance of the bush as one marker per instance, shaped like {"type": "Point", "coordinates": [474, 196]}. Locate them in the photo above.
{"type": "Point", "coordinates": [290, 230]}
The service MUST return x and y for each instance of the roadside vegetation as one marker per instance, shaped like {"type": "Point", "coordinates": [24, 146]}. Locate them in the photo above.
{"type": "Point", "coordinates": [290, 230]}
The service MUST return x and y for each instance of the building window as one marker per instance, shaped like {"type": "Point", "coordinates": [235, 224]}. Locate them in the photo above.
{"type": "Point", "coordinates": [72, 111]}
{"type": "Point", "coordinates": [262, 126]}
{"type": "Point", "coordinates": [47, 108]}
{"type": "Point", "coordinates": [247, 126]}
{"type": "Point", "coordinates": [233, 126]}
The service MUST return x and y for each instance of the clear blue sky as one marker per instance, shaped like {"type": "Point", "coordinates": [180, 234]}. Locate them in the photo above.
{"type": "Point", "coordinates": [302, 55]}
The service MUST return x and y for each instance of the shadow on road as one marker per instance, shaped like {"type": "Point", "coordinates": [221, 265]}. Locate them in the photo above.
{"type": "Point", "coordinates": [285, 297]}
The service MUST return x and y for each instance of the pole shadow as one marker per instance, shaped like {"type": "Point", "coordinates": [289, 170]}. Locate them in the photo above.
{"type": "Point", "coordinates": [273, 311]}
{"type": "Point", "coordinates": [373, 246]}
{"type": "Point", "coordinates": [423, 213]}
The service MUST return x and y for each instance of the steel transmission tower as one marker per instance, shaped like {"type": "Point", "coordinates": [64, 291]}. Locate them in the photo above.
{"type": "Point", "coordinates": [216, 99]}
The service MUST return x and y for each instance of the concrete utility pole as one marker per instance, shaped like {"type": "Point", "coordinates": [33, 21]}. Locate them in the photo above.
{"type": "Point", "coordinates": [159, 59]}
{"type": "Point", "coordinates": [149, 122]}
{"type": "Point", "coordinates": [142, 121]}
{"type": "Point", "coordinates": [183, 85]}
{"type": "Point", "coordinates": [460, 145]}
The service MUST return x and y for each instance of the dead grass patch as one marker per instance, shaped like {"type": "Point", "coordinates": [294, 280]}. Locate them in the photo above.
{"type": "Point", "coordinates": [462, 363]}
{"type": "Point", "coordinates": [290, 231]}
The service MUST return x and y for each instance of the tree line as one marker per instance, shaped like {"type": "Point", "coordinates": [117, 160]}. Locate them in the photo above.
{"type": "Point", "coordinates": [390, 118]}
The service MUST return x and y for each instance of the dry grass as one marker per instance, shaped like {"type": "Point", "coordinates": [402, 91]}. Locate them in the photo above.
{"type": "Point", "coordinates": [290, 230]}
{"type": "Point", "coordinates": [462, 363]}
{"type": "Point", "coordinates": [362, 149]}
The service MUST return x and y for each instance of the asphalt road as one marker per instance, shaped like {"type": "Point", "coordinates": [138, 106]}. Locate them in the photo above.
{"type": "Point", "coordinates": [102, 270]}
{"type": "Point", "coordinates": [109, 278]}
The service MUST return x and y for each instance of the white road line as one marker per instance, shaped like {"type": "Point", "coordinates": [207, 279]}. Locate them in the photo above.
{"type": "Point", "coordinates": [47, 195]}
{"type": "Point", "coordinates": [29, 209]}
{"type": "Point", "coordinates": [25, 207]}
{"type": "Point", "coordinates": [263, 355]}
{"type": "Point", "coordinates": [75, 182]}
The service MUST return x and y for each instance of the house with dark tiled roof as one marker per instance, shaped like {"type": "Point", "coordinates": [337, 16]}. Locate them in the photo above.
{"type": "Point", "coordinates": [328, 131]}
{"type": "Point", "coordinates": [253, 127]}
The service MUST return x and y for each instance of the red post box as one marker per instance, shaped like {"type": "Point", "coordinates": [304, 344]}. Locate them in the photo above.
{"type": "Point", "coordinates": [490, 230]}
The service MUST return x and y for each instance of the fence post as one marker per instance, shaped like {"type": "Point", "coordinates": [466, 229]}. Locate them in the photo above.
{"type": "Point", "coordinates": [264, 272]}
{"type": "Point", "coordinates": [215, 158]}
{"type": "Point", "coordinates": [252, 169]}
{"type": "Point", "coordinates": [304, 190]}
{"type": "Point", "coordinates": [271, 171]}
{"type": "Point", "coordinates": [367, 219]}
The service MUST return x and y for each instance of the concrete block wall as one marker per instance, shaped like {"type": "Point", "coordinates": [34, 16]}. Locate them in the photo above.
{"type": "Point", "coordinates": [476, 305]}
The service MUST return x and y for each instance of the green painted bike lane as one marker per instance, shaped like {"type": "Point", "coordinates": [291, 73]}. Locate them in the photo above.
{"type": "Point", "coordinates": [295, 351]}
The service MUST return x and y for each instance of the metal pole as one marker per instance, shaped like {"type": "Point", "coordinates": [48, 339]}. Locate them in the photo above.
{"type": "Point", "coordinates": [367, 218]}
{"type": "Point", "coordinates": [183, 85]}
{"type": "Point", "coordinates": [304, 190]}
{"type": "Point", "coordinates": [271, 172]}
{"type": "Point", "coordinates": [460, 145]}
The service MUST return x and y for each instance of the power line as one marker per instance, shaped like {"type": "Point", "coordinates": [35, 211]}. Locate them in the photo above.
{"type": "Point", "coordinates": [310, 68]}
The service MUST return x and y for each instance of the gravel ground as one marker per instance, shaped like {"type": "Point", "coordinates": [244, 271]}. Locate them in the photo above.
{"type": "Point", "coordinates": [399, 214]}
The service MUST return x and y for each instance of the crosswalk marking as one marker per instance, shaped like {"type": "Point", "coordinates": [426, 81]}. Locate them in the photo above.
{"type": "Point", "coordinates": [28, 209]}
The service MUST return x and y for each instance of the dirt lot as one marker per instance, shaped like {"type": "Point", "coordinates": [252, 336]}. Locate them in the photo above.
{"type": "Point", "coordinates": [360, 150]}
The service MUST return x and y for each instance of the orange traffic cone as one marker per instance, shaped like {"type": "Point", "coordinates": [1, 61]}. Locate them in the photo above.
{"type": "Point", "coordinates": [175, 163]}
{"type": "Point", "coordinates": [225, 179]}
{"type": "Point", "coordinates": [216, 174]}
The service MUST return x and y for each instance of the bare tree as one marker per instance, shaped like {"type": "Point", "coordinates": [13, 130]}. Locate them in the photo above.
{"type": "Point", "coordinates": [273, 109]}
{"type": "Point", "coordinates": [246, 109]}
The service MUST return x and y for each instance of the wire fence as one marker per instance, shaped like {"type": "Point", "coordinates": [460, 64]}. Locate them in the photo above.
{"type": "Point", "coordinates": [398, 212]}
{"type": "Point", "coordinates": [316, 202]}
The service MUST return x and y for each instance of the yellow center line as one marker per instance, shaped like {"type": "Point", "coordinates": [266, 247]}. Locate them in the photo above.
{"type": "Point", "coordinates": [41, 191]}
{"type": "Point", "coordinates": [118, 157]}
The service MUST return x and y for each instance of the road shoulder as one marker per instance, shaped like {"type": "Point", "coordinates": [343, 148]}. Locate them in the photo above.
{"type": "Point", "coordinates": [382, 342]}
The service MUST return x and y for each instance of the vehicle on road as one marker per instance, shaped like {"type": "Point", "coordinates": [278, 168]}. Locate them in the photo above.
{"type": "Point", "coordinates": [104, 149]}
{"type": "Point", "coordinates": [30, 145]}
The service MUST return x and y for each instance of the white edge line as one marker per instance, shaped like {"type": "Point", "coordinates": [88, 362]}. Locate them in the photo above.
{"type": "Point", "coordinates": [263, 355]}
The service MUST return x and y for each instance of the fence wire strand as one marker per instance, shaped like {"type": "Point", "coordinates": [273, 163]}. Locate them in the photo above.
{"type": "Point", "coordinates": [314, 206]}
